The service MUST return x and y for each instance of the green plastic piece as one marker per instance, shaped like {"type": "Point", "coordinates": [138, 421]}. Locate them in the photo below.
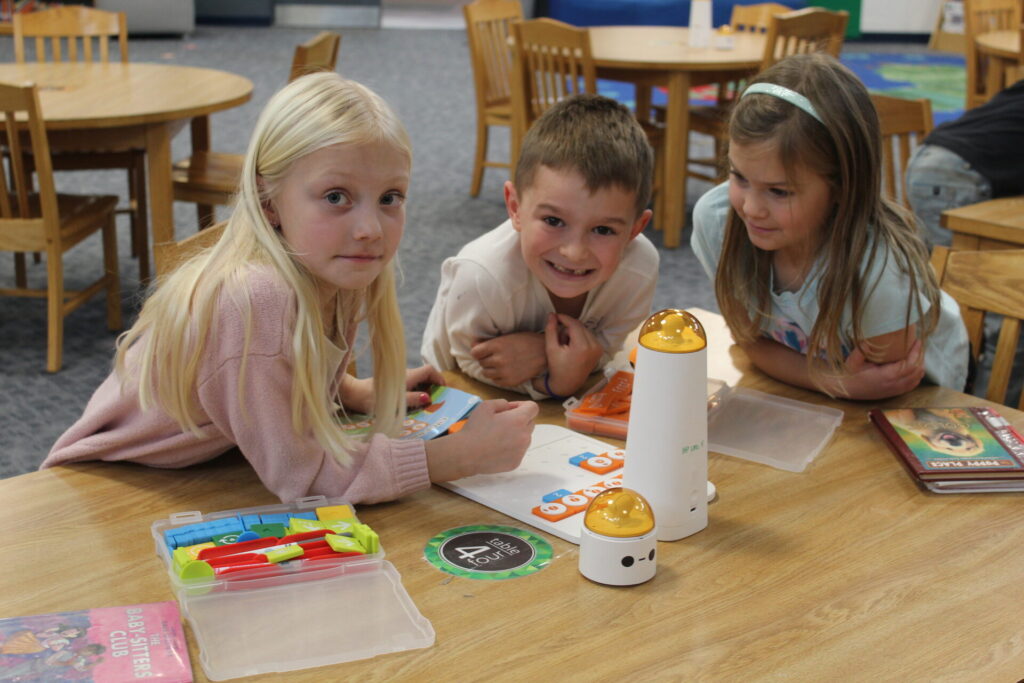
{"type": "Point", "coordinates": [367, 538]}
{"type": "Point", "coordinates": [285, 553]}
{"type": "Point", "coordinates": [344, 544]}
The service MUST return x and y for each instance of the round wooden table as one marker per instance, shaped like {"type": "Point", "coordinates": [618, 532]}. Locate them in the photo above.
{"type": "Point", "coordinates": [661, 56]}
{"type": "Point", "coordinates": [129, 106]}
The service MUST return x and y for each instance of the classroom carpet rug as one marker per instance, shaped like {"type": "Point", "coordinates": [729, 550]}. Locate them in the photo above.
{"type": "Point", "coordinates": [938, 77]}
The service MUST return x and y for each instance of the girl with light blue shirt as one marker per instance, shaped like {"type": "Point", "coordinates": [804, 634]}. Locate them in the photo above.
{"type": "Point", "coordinates": [822, 279]}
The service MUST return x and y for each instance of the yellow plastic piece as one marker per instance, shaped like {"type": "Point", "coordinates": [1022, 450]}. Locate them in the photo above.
{"type": "Point", "coordinates": [344, 544]}
{"type": "Point", "coordinates": [298, 525]}
{"type": "Point", "coordinates": [367, 537]}
{"type": "Point", "coordinates": [195, 569]}
{"type": "Point", "coordinates": [619, 513]}
{"type": "Point", "coordinates": [331, 512]}
{"type": "Point", "coordinates": [286, 553]}
{"type": "Point", "coordinates": [673, 331]}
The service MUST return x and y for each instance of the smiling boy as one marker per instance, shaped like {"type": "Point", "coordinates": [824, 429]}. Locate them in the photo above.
{"type": "Point", "coordinates": [548, 296]}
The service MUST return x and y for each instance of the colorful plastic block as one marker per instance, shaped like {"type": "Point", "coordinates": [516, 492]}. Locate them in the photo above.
{"type": "Point", "coordinates": [275, 518]}
{"type": "Point", "coordinates": [248, 520]}
{"type": "Point", "coordinates": [264, 530]}
{"type": "Point", "coordinates": [341, 526]}
{"type": "Point", "coordinates": [555, 495]}
{"type": "Point", "coordinates": [303, 515]}
{"type": "Point", "coordinates": [344, 544]}
{"type": "Point", "coordinates": [367, 537]}
{"type": "Point", "coordinates": [225, 539]}
{"type": "Point", "coordinates": [332, 512]}
{"type": "Point", "coordinates": [298, 525]}
{"type": "Point", "coordinates": [286, 553]}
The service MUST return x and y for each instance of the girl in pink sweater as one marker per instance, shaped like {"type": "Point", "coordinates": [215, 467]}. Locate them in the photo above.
{"type": "Point", "coordinates": [246, 343]}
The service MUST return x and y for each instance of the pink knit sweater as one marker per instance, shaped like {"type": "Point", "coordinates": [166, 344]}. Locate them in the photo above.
{"type": "Point", "coordinates": [114, 428]}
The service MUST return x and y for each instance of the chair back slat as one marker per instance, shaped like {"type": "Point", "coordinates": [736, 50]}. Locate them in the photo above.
{"type": "Point", "coordinates": [86, 33]}
{"type": "Point", "coordinates": [804, 31]}
{"type": "Point", "coordinates": [904, 124]}
{"type": "Point", "coordinates": [320, 53]}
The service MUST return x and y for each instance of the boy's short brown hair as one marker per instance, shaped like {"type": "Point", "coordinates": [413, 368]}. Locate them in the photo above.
{"type": "Point", "coordinates": [594, 136]}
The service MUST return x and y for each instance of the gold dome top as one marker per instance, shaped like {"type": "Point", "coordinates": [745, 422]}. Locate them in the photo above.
{"type": "Point", "coordinates": [673, 330]}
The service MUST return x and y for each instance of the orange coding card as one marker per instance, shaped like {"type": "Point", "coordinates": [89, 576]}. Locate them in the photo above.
{"type": "Point", "coordinates": [605, 411]}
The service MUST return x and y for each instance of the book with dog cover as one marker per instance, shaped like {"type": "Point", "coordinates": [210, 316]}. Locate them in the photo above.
{"type": "Point", "coordinates": [964, 447]}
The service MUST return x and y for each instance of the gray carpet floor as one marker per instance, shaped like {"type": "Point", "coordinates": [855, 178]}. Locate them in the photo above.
{"type": "Point", "coordinates": [424, 74]}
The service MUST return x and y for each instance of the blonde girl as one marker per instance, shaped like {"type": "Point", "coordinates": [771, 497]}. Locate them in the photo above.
{"type": "Point", "coordinates": [822, 279]}
{"type": "Point", "coordinates": [246, 343]}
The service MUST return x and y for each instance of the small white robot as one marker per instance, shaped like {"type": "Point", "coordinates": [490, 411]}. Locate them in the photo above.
{"type": "Point", "coordinates": [618, 539]}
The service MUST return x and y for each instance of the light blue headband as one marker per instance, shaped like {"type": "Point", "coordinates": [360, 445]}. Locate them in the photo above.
{"type": "Point", "coordinates": [791, 96]}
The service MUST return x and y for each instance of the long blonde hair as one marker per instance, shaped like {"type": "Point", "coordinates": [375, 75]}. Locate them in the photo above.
{"type": "Point", "coordinates": [312, 112]}
{"type": "Point", "coordinates": [844, 149]}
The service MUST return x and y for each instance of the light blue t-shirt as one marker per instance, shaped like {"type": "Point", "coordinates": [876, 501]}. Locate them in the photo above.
{"type": "Point", "coordinates": [884, 306]}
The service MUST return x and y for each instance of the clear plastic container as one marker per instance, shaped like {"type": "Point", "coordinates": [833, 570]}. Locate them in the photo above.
{"type": "Point", "coordinates": [295, 615]}
{"type": "Point", "coordinates": [743, 423]}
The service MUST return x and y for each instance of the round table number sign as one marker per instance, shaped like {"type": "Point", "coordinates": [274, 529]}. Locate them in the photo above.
{"type": "Point", "coordinates": [488, 552]}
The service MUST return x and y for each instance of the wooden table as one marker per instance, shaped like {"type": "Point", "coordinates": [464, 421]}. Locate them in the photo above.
{"type": "Point", "coordinates": [993, 224]}
{"type": "Point", "coordinates": [846, 571]}
{"type": "Point", "coordinates": [1003, 49]}
{"type": "Point", "coordinates": [129, 106]}
{"type": "Point", "coordinates": [661, 56]}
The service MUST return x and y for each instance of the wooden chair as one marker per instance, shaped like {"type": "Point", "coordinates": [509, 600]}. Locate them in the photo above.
{"type": "Point", "coordinates": [904, 125]}
{"type": "Point", "coordinates": [50, 223]}
{"type": "Point", "coordinates": [210, 178]}
{"type": "Point", "coordinates": [789, 33]}
{"type": "Point", "coordinates": [77, 33]}
{"type": "Point", "coordinates": [987, 282]}
{"type": "Point", "coordinates": [984, 75]}
{"type": "Point", "coordinates": [552, 62]}
{"type": "Point", "coordinates": [755, 18]}
{"type": "Point", "coordinates": [488, 30]}
{"type": "Point", "coordinates": [169, 255]}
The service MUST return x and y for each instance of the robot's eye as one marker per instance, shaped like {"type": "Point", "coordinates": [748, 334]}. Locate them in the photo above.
{"type": "Point", "coordinates": [627, 561]}
{"type": "Point", "coordinates": [650, 556]}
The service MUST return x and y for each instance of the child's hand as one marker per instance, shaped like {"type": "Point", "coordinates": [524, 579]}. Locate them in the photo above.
{"type": "Point", "coordinates": [572, 352]}
{"type": "Point", "coordinates": [418, 381]}
{"type": "Point", "coordinates": [866, 380]}
{"type": "Point", "coordinates": [511, 359]}
{"type": "Point", "coordinates": [494, 439]}
{"type": "Point", "coordinates": [356, 394]}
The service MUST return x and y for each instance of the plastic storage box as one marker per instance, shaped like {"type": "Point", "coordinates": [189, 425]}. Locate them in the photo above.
{"type": "Point", "coordinates": [297, 615]}
{"type": "Point", "coordinates": [743, 423]}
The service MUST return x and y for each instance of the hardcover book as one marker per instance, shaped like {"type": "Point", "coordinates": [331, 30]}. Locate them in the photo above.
{"type": "Point", "coordinates": [950, 449]}
{"type": "Point", "coordinates": [447, 406]}
{"type": "Point", "coordinates": [104, 644]}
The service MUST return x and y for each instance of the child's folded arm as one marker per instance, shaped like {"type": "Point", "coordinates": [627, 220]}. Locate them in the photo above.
{"type": "Point", "coordinates": [259, 421]}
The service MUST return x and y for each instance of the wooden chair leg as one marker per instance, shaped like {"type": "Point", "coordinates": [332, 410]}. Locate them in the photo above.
{"type": "Point", "coordinates": [113, 279]}
{"type": "Point", "coordinates": [139, 216]}
{"type": "Point", "coordinates": [54, 310]}
{"type": "Point", "coordinates": [20, 276]}
{"type": "Point", "coordinates": [479, 156]}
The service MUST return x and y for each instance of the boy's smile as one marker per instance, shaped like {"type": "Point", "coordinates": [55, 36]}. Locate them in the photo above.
{"type": "Point", "coordinates": [572, 239]}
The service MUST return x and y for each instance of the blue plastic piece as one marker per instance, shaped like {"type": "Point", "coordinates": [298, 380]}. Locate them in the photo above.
{"type": "Point", "coordinates": [304, 515]}
{"type": "Point", "coordinates": [248, 536]}
{"type": "Point", "coordinates": [248, 520]}
{"type": "Point", "coordinates": [555, 495]}
{"type": "Point", "coordinates": [275, 518]}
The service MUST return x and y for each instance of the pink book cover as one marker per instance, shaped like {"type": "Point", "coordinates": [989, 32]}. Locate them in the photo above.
{"type": "Point", "coordinates": [104, 644]}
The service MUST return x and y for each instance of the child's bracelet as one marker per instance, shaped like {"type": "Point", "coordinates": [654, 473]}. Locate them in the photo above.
{"type": "Point", "coordinates": [547, 388]}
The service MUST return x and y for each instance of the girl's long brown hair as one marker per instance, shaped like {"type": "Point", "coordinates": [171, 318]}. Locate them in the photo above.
{"type": "Point", "coordinates": [864, 224]}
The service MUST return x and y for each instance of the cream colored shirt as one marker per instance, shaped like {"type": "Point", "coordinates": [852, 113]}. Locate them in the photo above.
{"type": "Point", "coordinates": [487, 291]}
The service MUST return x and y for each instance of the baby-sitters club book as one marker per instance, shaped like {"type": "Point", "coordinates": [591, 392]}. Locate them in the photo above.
{"type": "Point", "coordinates": [103, 644]}
{"type": "Point", "coordinates": [955, 450]}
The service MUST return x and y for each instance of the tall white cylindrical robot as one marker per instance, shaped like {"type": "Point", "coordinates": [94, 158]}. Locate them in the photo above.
{"type": "Point", "coordinates": [666, 445]}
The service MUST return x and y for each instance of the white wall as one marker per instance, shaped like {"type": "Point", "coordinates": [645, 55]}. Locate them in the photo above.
{"type": "Point", "coordinates": [899, 16]}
